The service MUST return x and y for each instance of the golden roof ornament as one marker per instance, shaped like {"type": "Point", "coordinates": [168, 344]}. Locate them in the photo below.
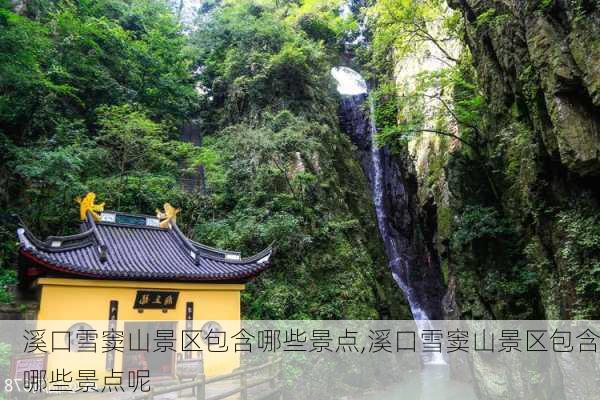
{"type": "Point", "coordinates": [168, 215]}
{"type": "Point", "coordinates": [87, 204]}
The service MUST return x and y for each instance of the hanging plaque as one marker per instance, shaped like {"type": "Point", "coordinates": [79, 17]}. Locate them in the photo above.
{"type": "Point", "coordinates": [155, 299]}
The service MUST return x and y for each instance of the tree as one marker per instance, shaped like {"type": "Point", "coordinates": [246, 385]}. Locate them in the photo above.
{"type": "Point", "coordinates": [69, 70]}
{"type": "Point", "coordinates": [130, 137]}
{"type": "Point", "coordinates": [405, 26]}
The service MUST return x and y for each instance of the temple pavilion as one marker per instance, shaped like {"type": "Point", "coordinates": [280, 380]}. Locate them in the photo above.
{"type": "Point", "coordinates": [132, 252]}
{"type": "Point", "coordinates": [126, 267]}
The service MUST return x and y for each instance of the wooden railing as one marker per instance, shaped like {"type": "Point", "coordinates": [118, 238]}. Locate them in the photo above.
{"type": "Point", "coordinates": [272, 384]}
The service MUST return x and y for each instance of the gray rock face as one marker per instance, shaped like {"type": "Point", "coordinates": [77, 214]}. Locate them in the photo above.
{"type": "Point", "coordinates": [547, 56]}
{"type": "Point", "coordinates": [574, 117]}
{"type": "Point", "coordinates": [537, 63]}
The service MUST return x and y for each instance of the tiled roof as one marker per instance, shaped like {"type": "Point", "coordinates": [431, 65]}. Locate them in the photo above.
{"type": "Point", "coordinates": [122, 251]}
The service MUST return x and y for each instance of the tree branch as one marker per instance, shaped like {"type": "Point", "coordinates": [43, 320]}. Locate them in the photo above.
{"type": "Point", "coordinates": [444, 133]}
{"type": "Point", "coordinates": [435, 42]}
{"type": "Point", "coordinates": [285, 176]}
{"type": "Point", "coordinates": [418, 27]}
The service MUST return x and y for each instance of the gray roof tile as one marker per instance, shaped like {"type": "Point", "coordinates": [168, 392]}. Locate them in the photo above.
{"type": "Point", "coordinates": [139, 252]}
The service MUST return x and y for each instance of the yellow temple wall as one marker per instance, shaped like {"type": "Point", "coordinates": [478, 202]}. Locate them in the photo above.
{"type": "Point", "coordinates": [88, 300]}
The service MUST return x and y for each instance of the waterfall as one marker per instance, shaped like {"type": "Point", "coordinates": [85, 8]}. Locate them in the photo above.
{"type": "Point", "coordinates": [413, 269]}
{"type": "Point", "coordinates": [398, 264]}
{"type": "Point", "coordinates": [425, 292]}
{"type": "Point", "coordinates": [364, 132]}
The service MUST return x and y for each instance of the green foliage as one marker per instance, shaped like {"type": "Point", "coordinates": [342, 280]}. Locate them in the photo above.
{"type": "Point", "coordinates": [495, 280]}
{"type": "Point", "coordinates": [495, 192]}
{"type": "Point", "coordinates": [90, 95]}
{"type": "Point", "coordinates": [281, 170]}
{"type": "Point", "coordinates": [281, 185]}
{"type": "Point", "coordinates": [74, 59]}
{"type": "Point", "coordinates": [442, 92]}
{"type": "Point", "coordinates": [25, 87]}
{"type": "Point", "coordinates": [8, 277]}
{"type": "Point", "coordinates": [470, 106]}
{"type": "Point", "coordinates": [519, 148]}
{"type": "Point", "coordinates": [485, 17]}
{"type": "Point", "coordinates": [545, 4]}
{"type": "Point", "coordinates": [131, 139]}
{"type": "Point", "coordinates": [480, 223]}
{"type": "Point", "coordinates": [436, 101]}
{"type": "Point", "coordinates": [322, 22]}
{"type": "Point", "coordinates": [580, 253]}
{"type": "Point", "coordinates": [405, 27]}
{"type": "Point", "coordinates": [252, 61]}
{"type": "Point", "coordinates": [490, 19]}
{"type": "Point", "coordinates": [386, 112]}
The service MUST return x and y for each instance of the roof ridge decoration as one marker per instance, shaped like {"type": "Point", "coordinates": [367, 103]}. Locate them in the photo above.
{"type": "Point", "coordinates": [87, 204]}
{"type": "Point", "coordinates": [168, 216]}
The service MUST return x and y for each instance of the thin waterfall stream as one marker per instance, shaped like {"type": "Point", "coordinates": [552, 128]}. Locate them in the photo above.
{"type": "Point", "coordinates": [413, 272]}
{"type": "Point", "coordinates": [398, 264]}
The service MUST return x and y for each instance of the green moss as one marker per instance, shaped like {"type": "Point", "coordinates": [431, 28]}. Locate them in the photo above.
{"type": "Point", "coordinates": [436, 162]}
{"type": "Point", "coordinates": [538, 261]}
{"type": "Point", "coordinates": [490, 18]}
{"type": "Point", "coordinates": [579, 256]}
{"type": "Point", "coordinates": [444, 222]}
{"type": "Point", "coordinates": [520, 151]}
{"type": "Point", "coordinates": [445, 270]}
{"type": "Point", "coordinates": [545, 4]}
{"type": "Point", "coordinates": [500, 21]}
{"type": "Point", "coordinates": [485, 18]}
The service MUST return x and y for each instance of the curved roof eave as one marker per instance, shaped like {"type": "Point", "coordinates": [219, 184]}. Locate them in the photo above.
{"type": "Point", "coordinates": [179, 264]}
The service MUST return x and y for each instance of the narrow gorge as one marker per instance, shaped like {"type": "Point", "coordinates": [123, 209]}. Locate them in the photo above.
{"type": "Point", "coordinates": [486, 114]}
{"type": "Point", "coordinates": [393, 190]}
